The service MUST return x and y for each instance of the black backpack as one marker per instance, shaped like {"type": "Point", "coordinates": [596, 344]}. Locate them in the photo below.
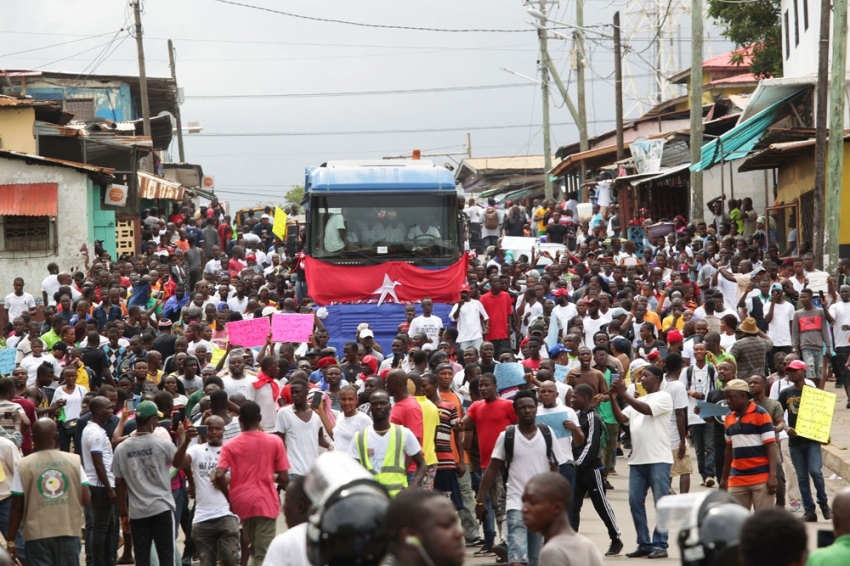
{"type": "Point", "coordinates": [510, 436]}
{"type": "Point", "coordinates": [712, 379]}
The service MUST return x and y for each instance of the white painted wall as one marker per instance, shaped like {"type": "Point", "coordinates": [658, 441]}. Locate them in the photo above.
{"type": "Point", "coordinates": [750, 184]}
{"type": "Point", "coordinates": [801, 59]}
{"type": "Point", "coordinates": [71, 225]}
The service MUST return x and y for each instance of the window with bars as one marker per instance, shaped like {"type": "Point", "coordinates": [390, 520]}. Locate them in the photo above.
{"type": "Point", "coordinates": [82, 108]}
{"type": "Point", "coordinates": [26, 233]}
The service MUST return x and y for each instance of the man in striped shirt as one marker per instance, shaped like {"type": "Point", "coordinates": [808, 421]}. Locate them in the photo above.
{"type": "Point", "coordinates": [749, 472]}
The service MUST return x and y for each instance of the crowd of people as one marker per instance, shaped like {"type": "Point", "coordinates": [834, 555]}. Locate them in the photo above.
{"type": "Point", "coordinates": [130, 416]}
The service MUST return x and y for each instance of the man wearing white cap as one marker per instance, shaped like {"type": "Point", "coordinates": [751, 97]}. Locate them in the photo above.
{"type": "Point", "coordinates": [367, 340]}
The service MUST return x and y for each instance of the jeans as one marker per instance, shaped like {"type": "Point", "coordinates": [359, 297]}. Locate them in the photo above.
{"type": "Point", "coordinates": [702, 435]}
{"type": "Point", "coordinates": [814, 364]}
{"type": "Point", "coordinates": [523, 546]}
{"type": "Point", "coordinates": [808, 461]}
{"type": "Point", "coordinates": [642, 478]}
{"type": "Point", "coordinates": [158, 529]}
{"type": "Point", "coordinates": [489, 522]}
{"type": "Point", "coordinates": [218, 539]}
{"type": "Point", "coordinates": [568, 470]}
{"type": "Point", "coordinates": [103, 527]}
{"type": "Point", "coordinates": [5, 506]}
{"type": "Point", "coordinates": [54, 551]}
{"type": "Point", "coordinates": [467, 514]}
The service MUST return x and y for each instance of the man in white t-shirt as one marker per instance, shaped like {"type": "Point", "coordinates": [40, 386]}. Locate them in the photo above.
{"type": "Point", "coordinates": [96, 450]}
{"type": "Point", "coordinates": [652, 456]}
{"type": "Point", "coordinates": [335, 233]}
{"type": "Point", "coordinates": [699, 379]}
{"type": "Point", "coordinates": [682, 466]}
{"type": "Point", "coordinates": [779, 314]}
{"type": "Point", "coordinates": [50, 285]}
{"type": "Point", "coordinates": [301, 430]}
{"type": "Point", "coordinates": [471, 320]}
{"type": "Point", "coordinates": [290, 548]}
{"type": "Point", "coordinates": [529, 456]}
{"type": "Point", "coordinates": [840, 313]}
{"type": "Point", "coordinates": [427, 323]}
{"type": "Point", "coordinates": [215, 529]}
{"type": "Point", "coordinates": [564, 423]}
{"type": "Point", "coordinates": [19, 302]}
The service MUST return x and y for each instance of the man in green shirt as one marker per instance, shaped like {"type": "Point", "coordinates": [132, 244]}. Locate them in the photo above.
{"type": "Point", "coordinates": [837, 554]}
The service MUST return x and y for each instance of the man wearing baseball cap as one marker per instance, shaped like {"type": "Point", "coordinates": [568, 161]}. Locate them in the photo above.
{"type": "Point", "coordinates": [805, 452]}
{"type": "Point", "coordinates": [749, 471]}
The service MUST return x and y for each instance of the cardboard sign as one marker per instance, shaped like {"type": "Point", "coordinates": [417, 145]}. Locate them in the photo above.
{"type": "Point", "coordinates": [7, 360]}
{"type": "Point", "coordinates": [509, 375]}
{"type": "Point", "coordinates": [708, 410]}
{"type": "Point", "coordinates": [554, 334]}
{"type": "Point", "coordinates": [814, 419]}
{"type": "Point", "coordinates": [561, 373]}
{"type": "Point", "coordinates": [279, 227]}
{"type": "Point", "coordinates": [556, 422]}
{"type": "Point", "coordinates": [291, 327]}
{"type": "Point", "coordinates": [248, 333]}
{"type": "Point", "coordinates": [217, 354]}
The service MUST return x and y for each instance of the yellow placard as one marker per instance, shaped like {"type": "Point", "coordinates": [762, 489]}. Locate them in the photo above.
{"type": "Point", "coordinates": [814, 419]}
{"type": "Point", "coordinates": [279, 228]}
{"type": "Point", "coordinates": [217, 354]}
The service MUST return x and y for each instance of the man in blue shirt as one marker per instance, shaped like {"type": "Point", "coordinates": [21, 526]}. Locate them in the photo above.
{"type": "Point", "coordinates": [175, 303]}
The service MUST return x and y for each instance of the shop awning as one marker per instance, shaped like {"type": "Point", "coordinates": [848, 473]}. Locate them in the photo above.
{"type": "Point", "coordinates": [153, 187]}
{"type": "Point", "coordinates": [29, 199]}
{"type": "Point", "coordinates": [737, 142]}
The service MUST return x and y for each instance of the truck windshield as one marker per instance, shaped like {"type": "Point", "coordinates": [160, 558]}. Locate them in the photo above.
{"type": "Point", "coordinates": [383, 226]}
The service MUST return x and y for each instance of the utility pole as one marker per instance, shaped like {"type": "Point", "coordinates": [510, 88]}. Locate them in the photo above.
{"type": "Point", "coordinates": [548, 192]}
{"type": "Point", "coordinates": [143, 78]}
{"type": "Point", "coordinates": [836, 136]}
{"type": "Point", "coordinates": [697, 205]}
{"type": "Point", "coordinates": [580, 64]}
{"type": "Point", "coordinates": [820, 136]}
{"type": "Point", "coordinates": [469, 145]}
{"type": "Point", "coordinates": [177, 117]}
{"type": "Point", "coordinates": [618, 87]}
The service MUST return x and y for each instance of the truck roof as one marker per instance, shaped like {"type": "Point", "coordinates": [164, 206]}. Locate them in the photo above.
{"type": "Point", "coordinates": [379, 175]}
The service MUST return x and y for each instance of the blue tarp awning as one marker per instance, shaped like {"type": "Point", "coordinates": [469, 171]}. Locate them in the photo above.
{"type": "Point", "coordinates": [737, 142]}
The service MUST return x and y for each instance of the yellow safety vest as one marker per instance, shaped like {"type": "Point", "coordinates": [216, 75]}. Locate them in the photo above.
{"type": "Point", "coordinates": [393, 475]}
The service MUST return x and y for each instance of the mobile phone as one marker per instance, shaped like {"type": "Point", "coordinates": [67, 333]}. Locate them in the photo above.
{"type": "Point", "coordinates": [131, 404]}
{"type": "Point", "coordinates": [8, 415]}
{"type": "Point", "coordinates": [177, 418]}
{"type": "Point", "coordinates": [317, 400]}
{"type": "Point", "coordinates": [202, 429]}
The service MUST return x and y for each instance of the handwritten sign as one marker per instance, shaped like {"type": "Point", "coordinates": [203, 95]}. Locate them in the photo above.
{"type": "Point", "coordinates": [561, 373]}
{"type": "Point", "coordinates": [7, 360]}
{"type": "Point", "coordinates": [217, 355]}
{"type": "Point", "coordinates": [292, 327]}
{"type": "Point", "coordinates": [818, 281]}
{"type": "Point", "coordinates": [554, 334]}
{"type": "Point", "coordinates": [509, 375]}
{"type": "Point", "coordinates": [248, 333]}
{"type": "Point", "coordinates": [556, 422]}
{"type": "Point", "coordinates": [708, 410]}
{"type": "Point", "coordinates": [279, 227]}
{"type": "Point", "coordinates": [814, 419]}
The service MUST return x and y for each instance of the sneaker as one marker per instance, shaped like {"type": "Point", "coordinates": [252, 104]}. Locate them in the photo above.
{"type": "Point", "coordinates": [477, 541]}
{"type": "Point", "coordinates": [810, 517]}
{"type": "Point", "coordinates": [615, 548]}
{"type": "Point", "coordinates": [486, 550]}
{"type": "Point", "coordinates": [710, 482]}
{"type": "Point", "coordinates": [826, 512]}
{"type": "Point", "coordinates": [796, 506]}
{"type": "Point", "coordinates": [613, 472]}
{"type": "Point", "coordinates": [702, 483]}
{"type": "Point", "coordinates": [501, 552]}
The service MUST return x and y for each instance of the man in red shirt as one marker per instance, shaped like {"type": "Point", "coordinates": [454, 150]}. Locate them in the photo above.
{"type": "Point", "coordinates": [501, 310]}
{"type": "Point", "coordinates": [406, 411]}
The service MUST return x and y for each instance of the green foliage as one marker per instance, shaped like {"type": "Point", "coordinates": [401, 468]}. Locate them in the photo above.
{"type": "Point", "coordinates": [753, 23]}
{"type": "Point", "coordinates": [295, 195]}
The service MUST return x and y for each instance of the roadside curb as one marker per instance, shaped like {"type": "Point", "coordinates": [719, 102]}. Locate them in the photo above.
{"type": "Point", "coordinates": [837, 460]}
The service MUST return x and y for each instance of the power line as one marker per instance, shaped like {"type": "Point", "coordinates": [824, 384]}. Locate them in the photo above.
{"type": "Point", "coordinates": [370, 132]}
{"type": "Point", "coordinates": [361, 93]}
{"type": "Point", "coordinates": [363, 24]}
{"type": "Point", "coordinates": [58, 44]}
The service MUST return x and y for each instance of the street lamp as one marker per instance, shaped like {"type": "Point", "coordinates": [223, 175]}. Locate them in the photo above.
{"type": "Point", "coordinates": [534, 13]}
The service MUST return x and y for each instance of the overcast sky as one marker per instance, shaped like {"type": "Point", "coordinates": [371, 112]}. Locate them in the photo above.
{"type": "Point", "coordinates": [224, 49]}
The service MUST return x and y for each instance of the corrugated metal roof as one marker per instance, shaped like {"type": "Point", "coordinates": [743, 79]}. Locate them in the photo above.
{"type": "Point", "coordinates": [492, 164]}
{"type": "Point", "coordinates": [29, 199]}
{"type": "Point", "coordinates": [99, 173]}
{"type": "Point", "coordinates": [153, 187]}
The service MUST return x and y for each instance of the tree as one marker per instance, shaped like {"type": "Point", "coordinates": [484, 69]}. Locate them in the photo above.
{"type": "Point", "coordinates": [295, 195]}
{"type": "Point", "coordinates": [757, 24]}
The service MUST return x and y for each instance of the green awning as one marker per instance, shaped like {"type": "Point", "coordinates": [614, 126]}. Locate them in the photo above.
{"type": "Point", "coordinates": [737, 142]}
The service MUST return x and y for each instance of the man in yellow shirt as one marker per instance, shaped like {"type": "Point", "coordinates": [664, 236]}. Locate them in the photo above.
{"type": "Point", "coordinates": [430, 420]}
{"type": "Point", "coordinates": [675, 318]}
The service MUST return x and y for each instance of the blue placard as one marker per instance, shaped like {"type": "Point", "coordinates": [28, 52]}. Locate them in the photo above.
{"type": "Point", "coordinates": [509, 375]}
{"type": "Point", "coordinates": [561, 373]}
{"type": "Point", "coordinates": [554, 335]}
{"type": "Point", "coordinates": [556, 423]}
{"type": "Point", "coordinates": [708, 410]}
{"type": "Point", "coordinates": [7, 360]}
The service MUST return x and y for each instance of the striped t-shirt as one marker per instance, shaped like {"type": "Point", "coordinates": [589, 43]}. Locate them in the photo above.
{"type": "Point", "coordinates": [444, 442]}
{"type": "Point", "coordinates": [749, 434]}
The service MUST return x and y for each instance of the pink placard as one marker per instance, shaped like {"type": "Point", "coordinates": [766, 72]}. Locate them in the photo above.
{"type": "Point", "coordinates": [248, 333]}
{"type": "Point", "coordinates": [292, 327]}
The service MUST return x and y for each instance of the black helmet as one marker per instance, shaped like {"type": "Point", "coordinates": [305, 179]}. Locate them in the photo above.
{"type": "Point", "coordinates": [349, 529]}
{"type": "Point", "coordinates": [718, 532]}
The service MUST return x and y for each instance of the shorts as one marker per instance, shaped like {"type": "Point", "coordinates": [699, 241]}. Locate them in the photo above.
{"type": "Point", "coordinates": [814, 364]}
{"type": "Point", "coordinates": [681, 467]}
{"type": "Point", "coordinates": [447, 483]}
